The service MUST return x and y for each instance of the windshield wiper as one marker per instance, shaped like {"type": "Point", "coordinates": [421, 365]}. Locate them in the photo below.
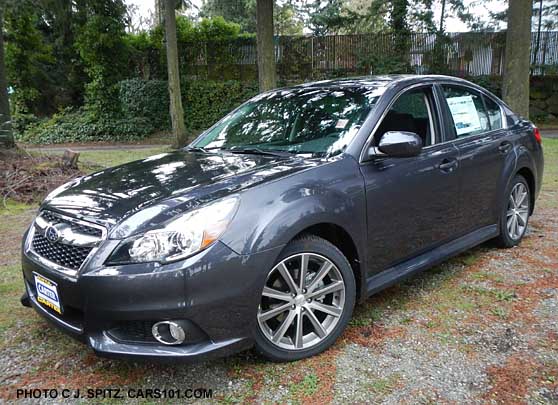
{"type": "Point", "coordinates": [258, 151]}
{"type": "Point", "coordinates": [196, 149]}
{"type": "Point", "coordinates": [200, 149]}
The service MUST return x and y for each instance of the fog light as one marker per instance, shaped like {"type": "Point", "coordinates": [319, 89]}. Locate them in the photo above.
{"type": "Point", "coordinates": [168, 332]}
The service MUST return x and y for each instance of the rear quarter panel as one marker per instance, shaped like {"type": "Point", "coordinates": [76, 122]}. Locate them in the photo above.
{"type": "Point", "coordinates": [527, 154]}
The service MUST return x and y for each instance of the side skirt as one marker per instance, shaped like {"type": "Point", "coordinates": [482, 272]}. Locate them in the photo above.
{"type": "Point", "coordinates": [429, 259]}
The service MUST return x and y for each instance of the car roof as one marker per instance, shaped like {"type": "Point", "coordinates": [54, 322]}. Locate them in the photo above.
{"type": "Point", "coordinates": [376, 81]}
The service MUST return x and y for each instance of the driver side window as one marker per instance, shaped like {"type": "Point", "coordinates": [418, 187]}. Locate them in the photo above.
{"type": "Point", "coordinates": [411, 112]}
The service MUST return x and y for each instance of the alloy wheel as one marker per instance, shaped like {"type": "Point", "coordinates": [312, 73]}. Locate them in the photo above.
{"type": "Point", "coordinates": [518, 211]}
{"type": "Point", "coordinates": [302, 301]}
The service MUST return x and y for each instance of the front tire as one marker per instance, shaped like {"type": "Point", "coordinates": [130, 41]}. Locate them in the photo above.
{"type": "Point", "coordinates": [514, 217]}
{"type": "Point", "coordinates": [306, 302]}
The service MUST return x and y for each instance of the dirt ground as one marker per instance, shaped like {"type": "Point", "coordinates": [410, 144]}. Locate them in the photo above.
{"type": "Point", "coordinates": [480, 328]}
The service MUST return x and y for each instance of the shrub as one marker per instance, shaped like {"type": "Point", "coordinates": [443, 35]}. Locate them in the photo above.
{"type": "Point", "coordinates": [145, 98]}
{"type": "Point", "coordinates": [83, 126]}
{"type": "Point", "coordinates": [143, 107]}
{"type": "Point", "coordinates": [204, 102]}
{"type": "Point", "coordinates": [21, 121]}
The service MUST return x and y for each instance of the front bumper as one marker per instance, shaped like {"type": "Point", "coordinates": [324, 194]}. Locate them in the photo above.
{"type": "Point", "coordinates": [217, 291]}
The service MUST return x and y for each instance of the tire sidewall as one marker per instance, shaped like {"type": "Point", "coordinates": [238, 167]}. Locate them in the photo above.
{"type": "Point", "coordinates": [324, 248]}
{"type": "Point", "coordinates": [508, 241]}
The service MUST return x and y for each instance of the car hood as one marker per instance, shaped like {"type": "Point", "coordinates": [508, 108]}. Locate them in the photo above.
{"type": "Point", "coordinates": [144, 193]}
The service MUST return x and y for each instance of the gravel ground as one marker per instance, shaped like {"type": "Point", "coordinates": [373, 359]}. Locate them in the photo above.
{"type": "Point", "coordinates": [480, 328]}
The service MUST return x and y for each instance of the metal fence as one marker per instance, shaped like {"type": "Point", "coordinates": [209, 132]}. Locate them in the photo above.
{"type": "Point", "coordinates": [309, 57]}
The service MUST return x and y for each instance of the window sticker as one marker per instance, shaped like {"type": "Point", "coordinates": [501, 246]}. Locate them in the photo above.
{"type": "Point", "coordinates": [342, 123]}
{"type": "Point", "coordinates": [465, 114]}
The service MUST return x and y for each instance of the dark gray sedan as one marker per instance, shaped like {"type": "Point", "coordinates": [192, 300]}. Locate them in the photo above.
{"type": "Point", "coordinates": [269, 227]}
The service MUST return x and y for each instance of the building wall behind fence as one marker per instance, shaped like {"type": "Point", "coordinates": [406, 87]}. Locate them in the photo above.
{"type": "Point", "coordinates": [305, 58]}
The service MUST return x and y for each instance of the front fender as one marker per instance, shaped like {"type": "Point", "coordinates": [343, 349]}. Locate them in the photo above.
{"type": "Point", "coordinates": [273, 214]}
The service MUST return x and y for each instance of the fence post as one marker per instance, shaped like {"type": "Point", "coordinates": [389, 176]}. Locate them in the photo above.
{"type": "Point", "coordinates": [312, 53]}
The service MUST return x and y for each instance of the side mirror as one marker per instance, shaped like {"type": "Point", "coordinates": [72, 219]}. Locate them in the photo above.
{"type": "Point", "coordinates": [400, 144]}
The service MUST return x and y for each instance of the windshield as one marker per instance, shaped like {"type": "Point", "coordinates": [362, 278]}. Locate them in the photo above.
{"type": "Point", "coordinates": [316, 121]}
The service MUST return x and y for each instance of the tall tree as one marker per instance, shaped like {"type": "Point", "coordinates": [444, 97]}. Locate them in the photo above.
{"type": "Point", "coordinates": [176, 110]}
{"type": "Point", "coordinates": [286, 21]}
{"type": "Point", "coordinates": [6, 135]}
{"type": "Point", "coordinates": [442, 16]}
{"type": "Point", "coordinates": [100, 39]}
{"type": "Point", "coordinates": [265, 47]}
{"type": "Point", "coordinates": [324, 17]}
{"type": "Point", "coordinates": [239, 11]}
{"type": "Point", "coordinates": [515, 87]}
{"type": "Point", "coordinates": [539, 25]}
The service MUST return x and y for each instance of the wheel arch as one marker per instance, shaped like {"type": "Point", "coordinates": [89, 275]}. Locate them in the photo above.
{"type": "Point", "coordinates": [343, 240]}
{"type": "Point", "coordinates": [527, 173]}
{"type": "Point", "coordinates": [521, 164]}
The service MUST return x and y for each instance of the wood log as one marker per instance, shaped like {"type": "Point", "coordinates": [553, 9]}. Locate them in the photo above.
{"type": "Point", "coordinates": [70, 159]}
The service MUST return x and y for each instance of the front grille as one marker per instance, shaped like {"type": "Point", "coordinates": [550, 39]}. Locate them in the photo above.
{"type": "Point", "coordinates": [73, 241]}
{"type": "Point", "coordinates": [71, 257]}
{"type": "Point", "coordinates": [54, 219]}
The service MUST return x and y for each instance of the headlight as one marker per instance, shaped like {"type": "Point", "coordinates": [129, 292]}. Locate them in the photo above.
{"type": "Point", "coordinates": [179, 238]}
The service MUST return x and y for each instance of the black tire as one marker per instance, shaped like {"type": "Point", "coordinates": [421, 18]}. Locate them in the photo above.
{"type": "Point", "coordinates": [505, 240]}
{"type": "Point", "coordinates": [314, 245]}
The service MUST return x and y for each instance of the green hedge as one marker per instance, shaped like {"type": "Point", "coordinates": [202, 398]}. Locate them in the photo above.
{"type": "Point", "coordinates": [145, 98]}
{"type": "Point", "coordinates": [144, 109]}
{"type": "Point", "coordinates": [204, 102]}
{"type": "Point", "coordinates": [82, 126]}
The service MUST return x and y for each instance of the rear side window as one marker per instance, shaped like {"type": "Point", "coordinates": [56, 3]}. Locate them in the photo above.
{"type": "Point", "coordinates": [494, 113]}
{"type": "Point", "coordinates": [467, 110]}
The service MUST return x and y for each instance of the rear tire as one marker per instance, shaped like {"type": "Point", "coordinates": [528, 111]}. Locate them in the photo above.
{"type": "Point", "coordinates": [514, 216]}
{"type": "Point", "coordinates": [306, 302]}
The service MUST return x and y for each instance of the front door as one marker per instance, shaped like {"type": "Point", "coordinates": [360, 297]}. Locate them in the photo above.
{"type": "Point", "coordinates": [411, 202]}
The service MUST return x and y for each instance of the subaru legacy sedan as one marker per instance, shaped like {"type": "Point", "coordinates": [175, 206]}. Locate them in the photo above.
{"type": "Point", "coordinates": [269, 227]}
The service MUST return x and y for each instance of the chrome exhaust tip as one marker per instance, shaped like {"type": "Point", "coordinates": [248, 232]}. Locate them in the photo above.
{"type": "Point", "coordinates": [168, 332]}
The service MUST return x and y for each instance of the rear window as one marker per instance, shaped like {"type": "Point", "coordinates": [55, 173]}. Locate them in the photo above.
{"type": "Point", "coordinates": [494, 113]}
{"type": "Point", "coordinates": [467, 110]}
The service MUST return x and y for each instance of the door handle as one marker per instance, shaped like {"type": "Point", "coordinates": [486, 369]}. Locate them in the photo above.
{"type": "Point", "coordinates": [505, 147]}
{"type": "Point", "coordinates": [448, 165]}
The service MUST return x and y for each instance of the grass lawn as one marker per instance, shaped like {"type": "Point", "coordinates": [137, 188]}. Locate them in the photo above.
{"type": "Point", "coordinates": [479, 328]}
{"type": "Point", "coordinates": [113, 158]}
{"type": "Point", "coordinates": [550, 179]}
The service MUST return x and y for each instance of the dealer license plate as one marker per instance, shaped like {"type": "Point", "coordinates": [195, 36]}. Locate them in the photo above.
{"type": "Point", "coordinates": [47, 293]}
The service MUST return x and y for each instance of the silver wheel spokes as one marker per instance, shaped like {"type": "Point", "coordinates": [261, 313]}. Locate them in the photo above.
{"type": "Point", "coordinates": [518, 211]}
{"type": "Point", "coordinates": [302, 301]}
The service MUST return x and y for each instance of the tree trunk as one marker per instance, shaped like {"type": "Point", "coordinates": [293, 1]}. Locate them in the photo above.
{"type": "Point", "coordinates": [400, 30]}
{"type": "Point", "coordinates": [176, 110]}
{"type": "Point", "coordinates": [265, 46]}
{"type": "Point", "coordinates": [6, 134]}
{"type": "Point", "coordinates": [538, 41]}
{"type": "Point", "coordinates": [515, 87]}
{"type": "Point", "coordinates": [442, 16]}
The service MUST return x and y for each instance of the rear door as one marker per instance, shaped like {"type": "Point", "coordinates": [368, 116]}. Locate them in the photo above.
{"type": "Point", "coordinates": [483, 147]}
{"type": "Point", "coordinates": [411, 202]}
